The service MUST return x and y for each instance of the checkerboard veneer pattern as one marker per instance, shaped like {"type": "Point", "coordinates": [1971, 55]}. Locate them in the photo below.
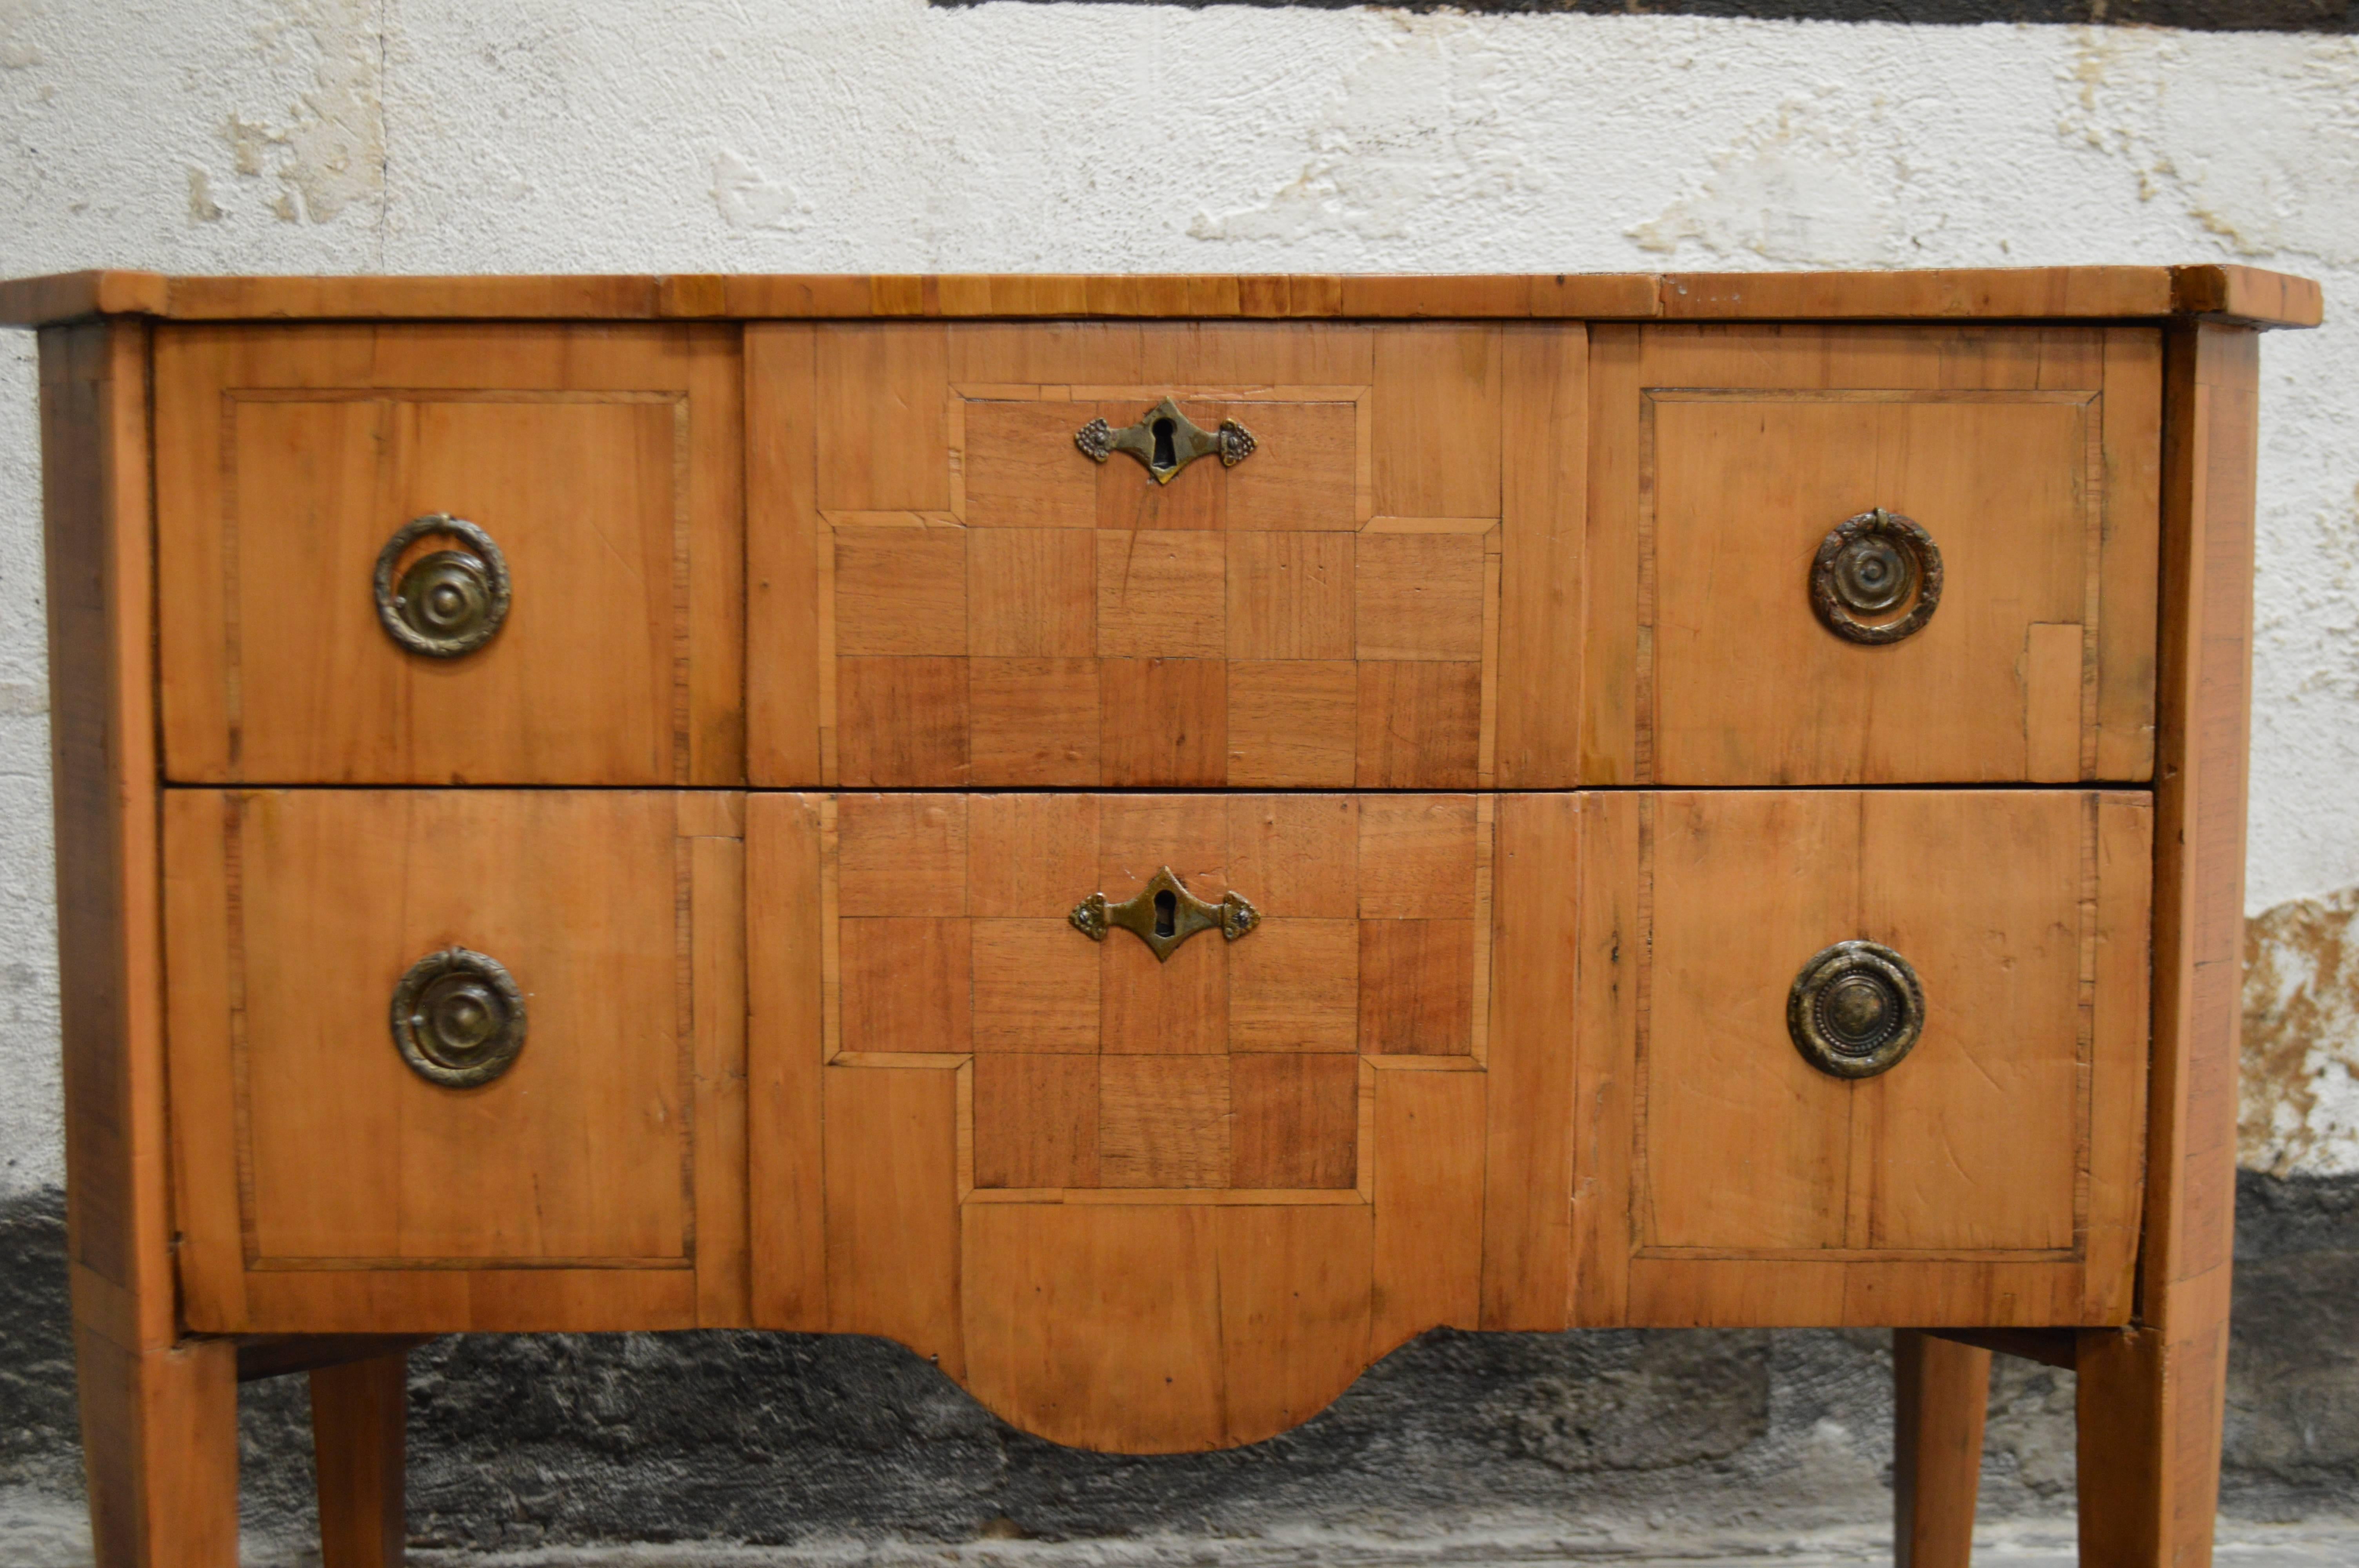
{"type": "Point", "coordinates": [1071, 623]}
{"type": "Point", "coordinates": [1235, 1066]}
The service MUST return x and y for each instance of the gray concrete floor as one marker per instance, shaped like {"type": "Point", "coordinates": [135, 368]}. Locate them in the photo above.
{"type": "Point", "coordinates": [41, 1531]}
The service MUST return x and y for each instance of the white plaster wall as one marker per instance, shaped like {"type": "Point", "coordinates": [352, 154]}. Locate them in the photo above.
{"type": "Point", "coordinates": [481, 135]}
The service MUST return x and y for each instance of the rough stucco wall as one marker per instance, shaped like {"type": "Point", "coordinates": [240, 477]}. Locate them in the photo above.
{"type": "Point", "coordinates": [424, 136]}
{"type": "Point", "coordinates": [489, 135]}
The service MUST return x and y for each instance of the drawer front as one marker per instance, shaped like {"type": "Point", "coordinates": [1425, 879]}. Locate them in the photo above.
{"type": "Point", "coordinates": [1990, 1175]}
{"type": "Point", "coordinates": [953, 586]}
{"type": "Point", "coordinates": [1147, 1203]}
{"type": "Point", "coordinates": [1731, 641]}
{"type": "Point", "coordinates": [362, 1147]}
{"type": "Point", "coordinates": [602, 467]}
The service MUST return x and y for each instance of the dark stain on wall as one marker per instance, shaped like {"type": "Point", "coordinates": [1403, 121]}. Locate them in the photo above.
{"type": "Point", "coordinates": [553, 1440]}
{"type": "Point", "coordinates": [2197, 16]}
{"type": "Point", "coordinates": [2293, 1360]}
{"type": "Point", "coordinates": [39, 1437]}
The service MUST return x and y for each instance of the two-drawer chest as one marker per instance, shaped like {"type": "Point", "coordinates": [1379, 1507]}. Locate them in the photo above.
{"type": "Point", "coordinates": [1149, 839]}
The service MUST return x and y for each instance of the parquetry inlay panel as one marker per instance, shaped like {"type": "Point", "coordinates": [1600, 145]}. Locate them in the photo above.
{"type": "Point", "coordinates": [1231, 1066]}
{"type": "Point", "coordinates": [1071, 623]}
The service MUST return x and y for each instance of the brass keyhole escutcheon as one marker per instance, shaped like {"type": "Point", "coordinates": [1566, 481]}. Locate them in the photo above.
{"type": "Point", "coordinates": [447, 603]}
{"type": "Point", "coordinates": [1165, 441]}
{"type": "Point", "coordinates": [1163, 914]}
{"type": "Point", "coordinates": [1856, 1009]}
{"type": "Point", "coordinates": [458, 1018]}
{"type": "Point", "coordinates": [1870, 566]}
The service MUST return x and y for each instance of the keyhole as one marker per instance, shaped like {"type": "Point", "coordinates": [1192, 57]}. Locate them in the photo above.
{"type": "Point", "coordinates": [1165, 458]}
{"type": "Point", "coordinates": [1166, 913]}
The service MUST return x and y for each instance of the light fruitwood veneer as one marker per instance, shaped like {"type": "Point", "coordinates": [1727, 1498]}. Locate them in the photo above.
{"type": "Point", "coordinates": [2241, 295]}
{"type": "Point", "coordinates": [1021, 1145]}
{"type": "Point", "coordinates": [948, 592]}
{"type": "Point", "coordinates": [837, 673]}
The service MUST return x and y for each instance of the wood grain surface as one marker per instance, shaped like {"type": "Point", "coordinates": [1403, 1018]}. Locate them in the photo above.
{"type": "Point", "coordinates": [1941, 1403]}
{"type": "Point", "coordinates": [360, 1425]}
{"type": "Point", "coordinates": [326, 1188]}
{"type": "Point", "coordinates": [2246, 295]}
{"type": "Point", "coordinates": [2151, 1399]}
{"type": "Point", "coordinates": [838, 1060]}
{"type": "Point", "coordinates": [159, 1454]}
{"type": "Point", "coordinates": [1733, 1182]}
{"type": "Point", "coordinates": [1014, 1119]}
{"type": "Point", "coordinates": [956, 596]}
{"type": "Point", "coordinates": [97, 526]}
{"type": "Point", "coordinates": [158, 1419]}
{"type": "Point", "coordinates": [604, 464]}
{"type": "Point", "coordinates": [1721, 457]}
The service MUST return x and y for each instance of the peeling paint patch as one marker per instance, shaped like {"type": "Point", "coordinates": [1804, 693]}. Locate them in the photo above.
{"type": "Point", "coordinates": [2298, 1097]}
{"type": "Point", "coordinates": [247, 143]}
{"type": "Point", "coordinates": [1430, 119]}
{"type": "Point", "coordinates": [1817, 182]}
{"type": "Point", "coordinates": [750, 200]}
{"type": "Point", "coordinates": [327, 150]}
{"type": "Point", "coordinates": [18, 50]}
{"type": "Point", "coordinates": [2141, 96]}
{"type": "Point", "coordinates": [202, 207]}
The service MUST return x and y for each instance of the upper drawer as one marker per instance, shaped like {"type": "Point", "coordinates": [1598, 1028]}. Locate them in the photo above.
{"type": "Point", "coordinates": [1367, 582]}
{"type": "Point", "coordinates": [2007, 636]}
{"type": "Point", "coordinates": [601, 463]}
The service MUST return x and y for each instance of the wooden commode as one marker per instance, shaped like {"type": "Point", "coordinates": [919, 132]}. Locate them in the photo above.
{"type": "Point", "coordinates": [1150, 839]}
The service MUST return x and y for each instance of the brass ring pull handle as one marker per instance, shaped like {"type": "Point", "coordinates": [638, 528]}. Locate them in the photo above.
{"type": "Point", "coordinates": [450, 602]}
{"type": "Point", "coordinates": [1855, 1010]}
{"type": "Point", "coordinates": [1869, 564]}
{"type": "Point", "coordinates": [1166, 440]}
{"type": "Point", "coordinates": [1163, 914]}
{"type": "Point", "coordinates": [458, 1019]}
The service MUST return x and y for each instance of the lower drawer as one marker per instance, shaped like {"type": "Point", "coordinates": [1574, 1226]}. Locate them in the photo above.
{"type": "Point", "coordinates": [1991, 1175]}
{"type": "Point", "coordinates": [1510, 1061]}
{"type": "Point", "coordinates": [1153, 1120]}
{"type": "Point", "coordinates": [374, 1128]}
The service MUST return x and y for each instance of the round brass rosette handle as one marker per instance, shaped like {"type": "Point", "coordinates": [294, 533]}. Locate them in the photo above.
{"type": "Point", "coordinates": [1869, 566]}
{"type": "Point", "coordinates": [1855, 1010]}
{"type": "Point", "coordinates": [458, 1019]}
{"type": "Point", "coordinates": [449, 602]}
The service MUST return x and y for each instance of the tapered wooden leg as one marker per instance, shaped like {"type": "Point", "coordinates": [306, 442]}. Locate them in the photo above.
{"type": "Point", "coordinates": [160, 1452]}
{"type": "Point", "coordinates": [360, 1414]}
{"type": "Point", "coordinates": [2152, 1398]}
{"type": "Point", "coordinates": [2151, 1410]}
{"type": "Point", "coordinates": [1942, 1395]}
